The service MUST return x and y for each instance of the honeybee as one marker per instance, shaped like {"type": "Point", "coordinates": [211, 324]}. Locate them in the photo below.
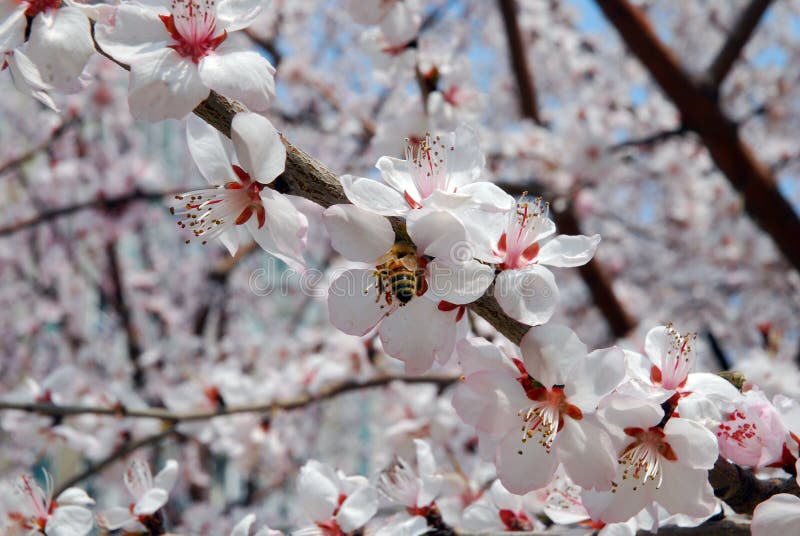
{"type": "Point", "coordinates": [399, 275]}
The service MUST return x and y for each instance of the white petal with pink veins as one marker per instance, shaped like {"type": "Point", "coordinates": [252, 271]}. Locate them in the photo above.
{"type": "Point", "coordinates": [529, 295]}
{"type": "Point", "coordinates": [284, 231]}
{"type": "Point", "coordinates": [358, 234]}
{"type": "Point", "coordinates": [530, 470]}
{"type": "Point", "coordinates": [60, 45]}
{"type": "Point", "coordinates": [240, 74]}
{"type": "Point", "coordinates": [133, 31]}
{"type": "Point", "coordinates": [357, 509]}
{"type": "Point", "coordinates": [164, 85]}
{"type": "Point", "coordinates": [418, 334]}
{"type": "Point", "coordinates": [568, 251]}
{"type": "Point", "coordinates": [374, 196]}
{"type": "Point", "coordinates": [210, 151]}
{"type": "Point", "coordinates": [550, 352]}
{"type": "Point", "coordinates": [351, 309]}
{"type": "Point", "coordinates": [258, 147]}
{"type": "Point", "coordinates": [778, 516]}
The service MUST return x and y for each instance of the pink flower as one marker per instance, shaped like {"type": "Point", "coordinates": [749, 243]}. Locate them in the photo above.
{"type": "Point", "coordinates": [239, 204]}
{"type": "Point", "coordinates": [753, 433]}
{"type": "Point", "coordinates": [402, 290]}
{"type": "Point", "coordinates": [33, 509]}
{"type": "Point", "coordinates": [553, 397]}
{"type": "Point", "coordinates": [525, 289]}
{"type": "Point", "coordinates": [667, 465]}
{"type": "Point", "coordinates": [334, 502]}
{"type": "Point", "coordinates": [178, 51]}
{"type": "Point", "coordinates": [54, 52]}
{"type": "Point", "coordinates": [150, 494]}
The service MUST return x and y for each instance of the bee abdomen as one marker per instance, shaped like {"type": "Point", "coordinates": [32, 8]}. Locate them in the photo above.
{"type": "Point", "coordinates": [404, 285]}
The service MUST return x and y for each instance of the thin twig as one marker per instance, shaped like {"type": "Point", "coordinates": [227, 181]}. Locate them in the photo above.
{"type": "Point", "coordinates": [100, 203]}
{"type": "Point", "coordinates": [113, 457]}
{"type": "Point", "coordinates": [737, 39]}
{"type": "Point", "coordinates": [59, 131]}
{"type": "Point", "coordinates": [119, 411]}
{"type": "Point", "coordinates": [526, 92]}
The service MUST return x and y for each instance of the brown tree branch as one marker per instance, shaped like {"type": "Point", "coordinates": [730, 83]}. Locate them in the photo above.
{"type": "Point", "coordinates": [742, 490]}
{"type": "Point", "coordinates": [59, 131]}
{"type": "Point", "coordinates": [526, 91]}
{"type": "Point", "coordinates": [596, 280]}
{"type": "Point", "coordinates": [702, 114]}
{"type": "Point", "coordinates": [113, 457]}
{"type": "Point", "coordinates": [119, 411]}
{"type": "Point", "coordinates": [123, 312]}
{"type": "Point", "coordinates": [737, 39]}
{"type": "Point", "coordinates": [101, 203]}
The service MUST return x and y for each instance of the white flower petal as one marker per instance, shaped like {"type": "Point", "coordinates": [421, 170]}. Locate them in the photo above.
{"type": "Point", "coordinates": [550, 351]}
{"type": "Point", "coordinates": [357, 509]}
{"type": "Point", "coordinates": [694, 445]}
{"type": "Point", "coordinates": [150, 502]}
{"type": "Point", "coordinates": [115, 518]}
{"type": "Point", "coordinates": [165, 479]}
{"type": "Point", "coordinates": [374, 196]}
{"type": "Point", "coordinates": [417, 334]}
{"type": "Point", "coordinates": [318, 488]}
{"type": "Point", "coordinates": [523, 467]}
{"type": "Point", "coordinates": [488, 196]}
{"type": "Point", "coordinates": [60, 46]}
{"type": "Point", "coordinates": [237, 14]}
{"type": "Point", "coordinates": [593, 377]}
{"type": "Point", "coordinates": [458, 283]}
{"type": "Point", "coordinates": [210, 150]}
{"type": "Point", "coordinates": [465, 162]}
{"type": "Point", "coordinates": [70, 521]}
{"type": "Point", "coordinates": [353, 304]}
{"type": "Point", "coordinates": [285, 231]}
{"type": "Point", "coordinates": [587, 453]}
{"type": "Point", "coordinates": [258, 147]}
{"type": "Point", "coordinates": [74, 497]}
{"type": "Point", "coordinates": [12, 27]}
{"type": "Point", "coordinates": [358, 234]}
{"type": "Point", "coordinates": [132, 31]}
{"type": "Point", "coordinates": [439, 234]}
{"type": "Point", "coordinates": [529, 295]}
{"type": "Point", "coordinates": [778, 516]}
{"type": "Point", "coordinates": [244, 75]}
{"type": "Point", "coordinates": [568, 251]}
{"type": "Point", "coordinates": [164, 85]}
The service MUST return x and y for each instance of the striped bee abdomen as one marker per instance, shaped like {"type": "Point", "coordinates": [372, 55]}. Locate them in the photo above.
{"type": "Point", "coordinates": [403, 283]}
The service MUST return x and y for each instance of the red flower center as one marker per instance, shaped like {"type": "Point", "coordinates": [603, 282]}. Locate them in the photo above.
{"type": "Point", "coordinates": [37, 6]}
{"type": "Point", "coordinates": [192, 27]}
